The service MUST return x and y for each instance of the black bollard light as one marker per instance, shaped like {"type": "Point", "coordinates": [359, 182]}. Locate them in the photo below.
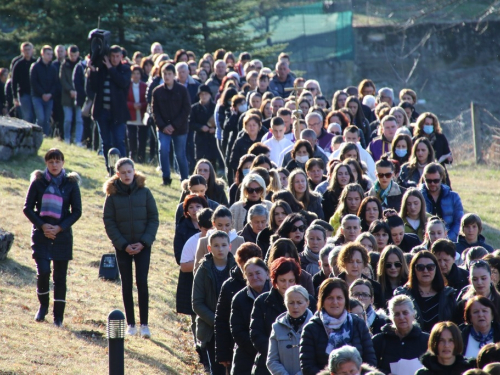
{"type": "Point", "coordinates": [116, 348]}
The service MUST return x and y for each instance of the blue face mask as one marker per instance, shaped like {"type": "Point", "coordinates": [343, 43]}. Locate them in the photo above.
{"type": "Point", "coordinates": [428, 129]}
{"type": "Point", "coordinates": [401, 152]}
{"type": "Point", "coordinates": [245, 172]}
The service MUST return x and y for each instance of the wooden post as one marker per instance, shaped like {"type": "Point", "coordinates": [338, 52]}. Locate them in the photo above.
{"type": "Point", "coordinates": [476, 132]}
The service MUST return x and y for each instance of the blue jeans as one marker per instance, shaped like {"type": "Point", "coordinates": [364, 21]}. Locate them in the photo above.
{"type": "Point", "coordinates": [179, 150]}
{"type": "Point", "coordinates": [112, 134]}
{"type": "Point", "coordinates": [68, 120]}
{"type": "Point", "coordinates": [43, 111]}
{"type": "Point", "coordinates": [27, 108]}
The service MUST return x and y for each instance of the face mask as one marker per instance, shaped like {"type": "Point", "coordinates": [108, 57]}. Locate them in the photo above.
{"type": "Point", "coordinates": [401, 152]}
{"type": "Point", "coordinates": [245, 172]}
{"type": "Point", "coordinates": [302, 159]}
{"type": "Point", "coordinates": [428, 129]}
{"type": "Point", "coordinates": [242, 108]}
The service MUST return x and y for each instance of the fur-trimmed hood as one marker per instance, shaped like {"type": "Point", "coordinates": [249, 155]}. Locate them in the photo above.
{"type": "Point", "coordinates": [110, 188]}
{"type": "Point", "coordinates": [72, 176]}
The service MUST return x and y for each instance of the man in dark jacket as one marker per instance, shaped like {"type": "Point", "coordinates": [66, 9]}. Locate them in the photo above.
{"type": "Point", "coordinates": [57, 109]}
{"type": "Point", "coordinates": [44, 82]}
{"type": "Point", "coordinates": [171, 107]}
{"type": "Point", "coordinates": [110, 83]}
{"type": "Point", "coordinates": [282, 80]}
{"type": "Point", "coordinates": [21, 86]}
{"type": "Point", "coordinates": [70, 77]}
{"type": "Point", "coordinates": [203, 128]}
{"type": "Point", "coordinates": [445, 252]}
{"type": "Point", "coordinates": [216, 78]}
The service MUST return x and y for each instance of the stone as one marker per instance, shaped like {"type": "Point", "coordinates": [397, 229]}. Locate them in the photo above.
{"type": "Point", "coordinates": [18, 137]}
{"type": "Point", "coordinates": [6, 241]}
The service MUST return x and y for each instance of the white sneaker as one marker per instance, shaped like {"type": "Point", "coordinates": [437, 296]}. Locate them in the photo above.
{"type": "Point", "coordinates": [145, 333]}
{"type": "Point", "coordinates": [131, 330]}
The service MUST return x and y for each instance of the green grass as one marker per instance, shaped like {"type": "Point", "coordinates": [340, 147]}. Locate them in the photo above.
{"type": "Point", "coordinates": [80, 347]}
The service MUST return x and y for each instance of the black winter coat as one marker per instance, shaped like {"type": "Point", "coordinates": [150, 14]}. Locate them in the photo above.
{"type": "Point", "coordinates": [240, 148]}
{"type": "Point", "coordinates": [314, 340]}
{"type": "Point", "coordinates": [44, 79]}
{"type": "Point", "coordinates": [244, 352]}
{"type": "Point", "coordinates": [389, 347]}
{"type": "Point", "coordinates": [458, 278]}
{"type": "Point", "coordinates": [410, 241]}
{"type": "Point", "coordinates": [264, 240]}
{"type": "Point", "coordinates": [61, 248]}
{"type": "Point", "coordinates": [447, 303]}
{"type": "Point", "coordinates": [377, 324]}
{"type": "Point", "coordinates": [119, 82]}
{"type": "Point", "coordinates": [433, 367]}
{"type": "Point", "coordinates": [248, 234]}
{"type": "Point", "coordinates": [206, 146]}
{"type": "Point", "coordinates": [330, 202]}
{"type": "Point", "coordinates": [183, 232]}
{"type": "Point", "coordinates": [318, 278]}
{"type": "Point", "coordinates": [224, 342]}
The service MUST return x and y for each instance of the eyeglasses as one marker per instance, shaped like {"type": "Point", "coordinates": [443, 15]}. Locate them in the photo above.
{"type": "Point", "coordinates": [300, 228]}
{"type": "Point", "coordinates": [361, 295]}
{"type": "Point", "coordinates": [422, 267]}
{"type": "Point", "coordinates": [434, 181]}
{"type": "Point", "coordinates": [395, 264]}
{"type": "Point", "coordinates": [386, 175]}
{"type": "Point", "coordinates": [250, 190]}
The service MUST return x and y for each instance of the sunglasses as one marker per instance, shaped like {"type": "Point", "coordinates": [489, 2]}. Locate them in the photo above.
{"type": "Point", "coordinates": [312, 89]}
{"type": "Point", "coordinates": [336, 133]}
{"type": "Point", "coordinates": [422, 267]}
{"type": "Point", "coordinates": [250, 190]}
{"type": "Point", "coordinates": [395, 264]}
{"type": "Point", "coordinates": [300, 228]}
{"type": "Point", "coordinates": [433, 181]}
{"type": "Point", "coordinates": [386, 175]}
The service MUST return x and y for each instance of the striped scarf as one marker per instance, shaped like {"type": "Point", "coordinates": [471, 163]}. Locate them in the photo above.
{"type": "Point", "coordinates": [52, 200]}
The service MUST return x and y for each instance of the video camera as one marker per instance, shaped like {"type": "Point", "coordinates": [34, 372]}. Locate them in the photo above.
{"type": "Point", "coordinates": [99, 46]}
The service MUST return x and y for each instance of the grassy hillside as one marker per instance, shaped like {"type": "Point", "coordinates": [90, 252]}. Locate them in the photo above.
{"type": "Point", "coordinates": [80, 347]}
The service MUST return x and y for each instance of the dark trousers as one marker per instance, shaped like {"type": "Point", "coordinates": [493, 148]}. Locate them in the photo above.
{"type": "Point", "coordinates": [112, 133]}
{"type": "Point", "coordinates": [141, 261]}
{"type": "Point", "coordinates": [58, 278]}
{"type": "Point", "coordinates": [216, 367]}
{"type": "Point", "coordinates": [137, 137]}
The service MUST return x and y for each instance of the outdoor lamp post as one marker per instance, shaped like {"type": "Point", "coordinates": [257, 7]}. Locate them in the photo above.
{"type": "Point", "coordinates": [116, 334]}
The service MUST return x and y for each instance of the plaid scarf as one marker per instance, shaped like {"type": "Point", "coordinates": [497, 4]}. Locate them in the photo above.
{"type": "Point", "coordinates": [480, 338]}
{"type": "Point", "coordinates": [52, 200]}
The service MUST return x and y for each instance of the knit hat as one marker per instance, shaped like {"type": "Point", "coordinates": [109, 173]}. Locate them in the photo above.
{"type": "Point", "coordinates": [204, 88]}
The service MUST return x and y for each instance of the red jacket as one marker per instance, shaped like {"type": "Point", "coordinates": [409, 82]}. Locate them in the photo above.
{"type": "Point", "coordinates": [142, 98]}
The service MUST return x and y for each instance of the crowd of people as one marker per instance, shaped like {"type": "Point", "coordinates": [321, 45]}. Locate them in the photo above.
{"type": "Point", "coordinates": [312, 235]}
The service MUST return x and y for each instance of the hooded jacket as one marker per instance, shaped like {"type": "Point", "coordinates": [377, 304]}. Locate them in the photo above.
{"type": "Point", "coordinates": [205, 297]}
{"type": "Point", "coordinates": [433, 367]}
{"type": "Point", "coordinates": [61, 248]}
{"type": "Point", "coordinates": [389, 347]}
{"type": "Point", "coordinates": [462, 244]}
{"type": "Point", "coordinates": [130, 215]}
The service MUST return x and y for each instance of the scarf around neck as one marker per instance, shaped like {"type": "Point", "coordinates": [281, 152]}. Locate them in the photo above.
{"type": "Point", "coordinates": [52, 200]}
{"type": "Point", "coordinates": [480, 338]}
{"type": "Point", "coordinates": [370, 315]}
{"type": "Point", "coordinates": [313, 259]}
{"type": "Point", "coordinates": [383, 194]}
{"type": "Point", "coordinates": [338, 330]}
{"type": "Point", "coordinates": [296, 323]}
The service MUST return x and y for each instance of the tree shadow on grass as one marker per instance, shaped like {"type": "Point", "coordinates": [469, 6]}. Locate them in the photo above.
{"type": "Point", "coordinates": [24, 275]}
{"type": "Point", "coordinates": [150, 361]}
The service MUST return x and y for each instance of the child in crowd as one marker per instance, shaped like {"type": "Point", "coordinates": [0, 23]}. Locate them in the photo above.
{"type": "Point", "coordinates": [278, 142]}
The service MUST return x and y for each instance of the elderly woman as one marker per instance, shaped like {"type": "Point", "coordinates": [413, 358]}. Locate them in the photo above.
{"type": "Point", "coordinates": [268, 306]}
{"type": "Point", "coordinates": [481, 285]}
{"type": "Point", "coordinates": [352, 260]}
{"type": "Point", "coordinates": [283, 355]}
{"type": "Point", "coordinates": [347, 360]}
{"type": "Point", "coordinates": [392, 270]}
{"type": "Point", "coordinates": [256, 274]}
{"type": "Point", "coordinates": [300, 189]}
{"type": "Point", "coordinates": [253, 191]}
{"type": "Point", "coordinates": [444, 352]}
{"type": "Point", "coordinates": [362, 290]}
{"type": "Point", "coordinates": [53, 204]}
{"type": "Point", "coordinates": [331, 327]}
{"type": "Point", "coordinates": [279, 211]}
{"type": "Point", "coordinates": [403, 338]}
{"type": "Point", "coordinates": [482, 326]}
{"type": "Point", "coordinates": [257, 219]}
{"type": "Point", "coordinates": [224, 343]}
{"type": "Point", "coordinates": [434, 301]}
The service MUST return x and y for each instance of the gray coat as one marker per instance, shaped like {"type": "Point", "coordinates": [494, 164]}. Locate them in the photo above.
{"type": "Point", "coordinates": [283, 354]}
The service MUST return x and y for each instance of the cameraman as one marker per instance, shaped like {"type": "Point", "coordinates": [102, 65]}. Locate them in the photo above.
{"type": "Point", "coordinates": [110, 83]}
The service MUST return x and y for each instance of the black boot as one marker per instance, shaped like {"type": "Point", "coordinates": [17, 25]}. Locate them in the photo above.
{"type": "Point", "coordinates": [167, 181]}
{"type": "Point", "coordinates": [42, 311]}
{"type": "Point", "coordinates": [43, 296]}
{"type": "Point", "coordinates": [59, 307]}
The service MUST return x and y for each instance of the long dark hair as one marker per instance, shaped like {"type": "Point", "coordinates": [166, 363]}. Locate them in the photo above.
{"type": "Point", "coordinates": [213, 183]}
{"type": "Point", "coordinates": [286, 226]}
{"type": "Point", "coordinates": [362, 211]}
{"type": "Point", "coordinates": [439, 282]}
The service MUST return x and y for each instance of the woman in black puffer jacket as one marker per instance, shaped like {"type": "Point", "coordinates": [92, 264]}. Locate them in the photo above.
{"type": "Point", "coordinates": [53, 204]}
{"type": "Point", "coordinates": [332, 327]}
{"type": "Point", "coordinates": [444, 353]}
{"type": "Point", "coordinates": [131, 222]}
